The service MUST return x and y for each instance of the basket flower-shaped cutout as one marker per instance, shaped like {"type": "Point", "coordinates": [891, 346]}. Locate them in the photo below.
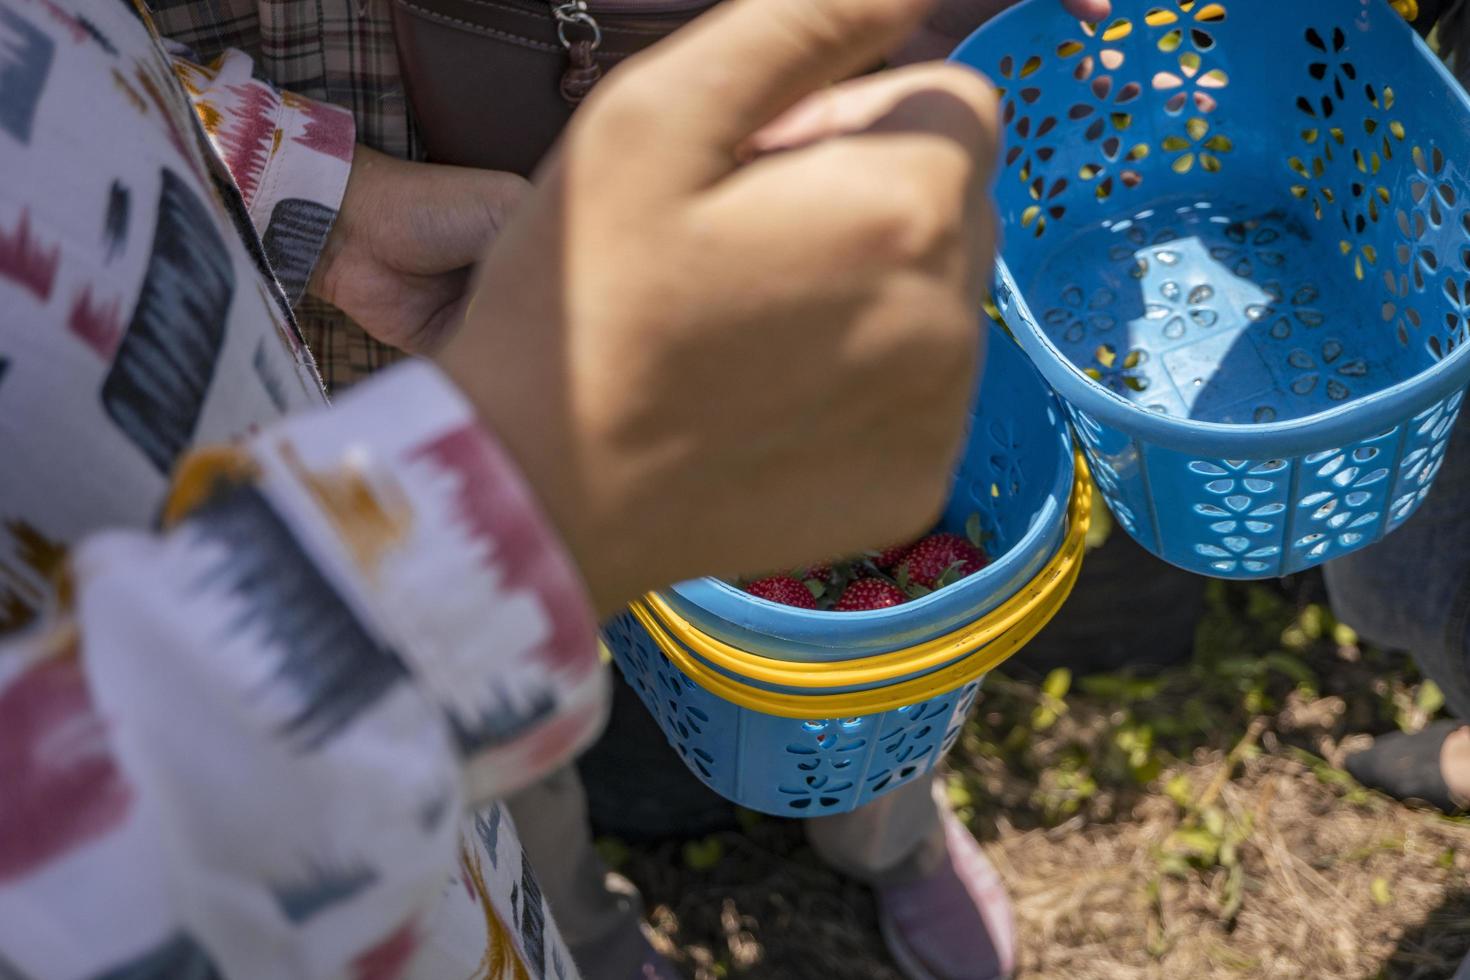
{"type": "Point", "coordinates": [961, 713]}
{"type": "Point", "coordinates": [1431, 187]}
{"type": "Point", "coordinates": [1094, 51]}
{"type": "Point", "coordinates": [833, 746]}
{"type": "Point", "coordinates": [1311, 170]}
{"type": "Point", "coordinates": [1179, 306]}
{"type": "Point", "coordinates": [906, 749]}
{"type": "Point", "coordinates": [1398, 309]}
{"type": "Point", "coordinates": [1120, 374]}
{"type": "Point", "coordinates": [1242, 512]}
{"type": "Point", "coordinates": [1005, 460]}
{"type": "Point", "coordinates": [1329, 67]}
{"type": "Point", "coordinates": [668, 694]}
{"type": "Point", "coordinates": [1197, 143]}
{"type": "Point", "coordinates": [1190, 85]}
{"type": "Point", "coordinates": [1104, 472]}
{"type": "Point", "coordinates": [1310, 367]}
{"type": "Point", "coordinates": [1044, 192]}
{"type": "Point", "coordinates": [1415, 253]}
{"type": "Point", "coordinates": [1255, 249]}
{"type": "Point", "coordinates": [1096, 61]}
{"type": "Point", "coordinates": [1185, 22]}
{"type": "Point", "coordinates": [1289, 309]}
{"type": "Point", "coordinates": [1074, 318]}
{"type": "Point", "coordinates": [1112, 152]}
{"type": "Point", "coordinates": [1032, 137]}
{"type": "Point", "coordinates": [1030, 145]}
{"type": "Point", "coordinates": [1345, 506]}
{"type": "Point", "coordinates": [1379, 125]}
{"type": "Point", "coordinates": [1425, 454]}
{"type": "Point", "coordinates": [1457, 320]}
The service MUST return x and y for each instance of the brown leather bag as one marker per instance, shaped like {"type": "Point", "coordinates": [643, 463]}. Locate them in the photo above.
{"type": "Point", "coordinates": [492, 83]}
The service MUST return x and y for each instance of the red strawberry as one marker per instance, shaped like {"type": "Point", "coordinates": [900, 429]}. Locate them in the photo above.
{"type": "Point", "coordinates": [870, 593]}
{"type": "Point", "coordinates": [783, 589]}
{"type": "Point", "coordinates": [889, 558]}
{"type": "Point", "coordinates": [936, 554]}
{"type": "Point", "coordinates": [821, 570]}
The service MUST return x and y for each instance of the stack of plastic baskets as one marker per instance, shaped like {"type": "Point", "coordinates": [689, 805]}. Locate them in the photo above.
{"type": "Point", "coordinates": [1237, 244]}
{"type": "Point", "coordinates": [803, 713]}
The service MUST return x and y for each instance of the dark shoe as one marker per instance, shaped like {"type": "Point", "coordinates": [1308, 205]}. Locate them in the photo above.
{"type": "Point", "coordinates": [1406, 767]}
{"type": "Point", "coordinates": [955, 924]}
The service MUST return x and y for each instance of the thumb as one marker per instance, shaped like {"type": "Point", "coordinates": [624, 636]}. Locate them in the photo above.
{"type": "Point", "coordinates": [736, 68]}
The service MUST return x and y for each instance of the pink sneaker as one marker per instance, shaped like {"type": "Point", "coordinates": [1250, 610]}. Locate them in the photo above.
{"type": "Point", "coordinates": [655, 966]}
{"type": "Point", "coordinates": [956, 924]}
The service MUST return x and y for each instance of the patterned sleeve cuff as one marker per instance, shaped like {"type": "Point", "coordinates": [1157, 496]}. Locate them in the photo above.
{"type": "Point", "coordinates": [289, 156]}
{"type": "Point", "coordinates": [428, 531]}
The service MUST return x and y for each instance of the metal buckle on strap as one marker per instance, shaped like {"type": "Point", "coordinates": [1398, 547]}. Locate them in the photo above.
{"type": "Point", "coordinates": [571, 14]}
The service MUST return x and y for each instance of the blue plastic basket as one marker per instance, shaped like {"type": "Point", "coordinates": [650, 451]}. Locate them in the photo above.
{"type": "Point", "coordinates": [1237, 244]}
{"type": "Point", "coordinates": [1018, 474]}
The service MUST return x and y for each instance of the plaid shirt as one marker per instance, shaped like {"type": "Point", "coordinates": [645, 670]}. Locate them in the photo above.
{"type": "Point", "coordinates": [337, 51]}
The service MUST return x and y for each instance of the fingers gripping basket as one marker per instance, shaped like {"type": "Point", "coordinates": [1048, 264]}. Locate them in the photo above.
{"type": "Point", "coordinates": [1237, 244]}
{"type": "Point", "coordinates": [802, 713]}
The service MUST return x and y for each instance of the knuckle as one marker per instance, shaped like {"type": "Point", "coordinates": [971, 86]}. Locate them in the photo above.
{"type": "Point", "coordinates": [978, 112]}
{"type": "Point", "coordinates": [975, 90]}
{"type": "Point", "coordinates": [924, 222]}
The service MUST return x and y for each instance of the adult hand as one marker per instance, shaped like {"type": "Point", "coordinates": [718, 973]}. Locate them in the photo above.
{"type": "Point", "coordinates": [400, 255]}
{"type": "Point", "coordinates": [955, 20]}
{"type": "Point", "coordinates": [709, 366]}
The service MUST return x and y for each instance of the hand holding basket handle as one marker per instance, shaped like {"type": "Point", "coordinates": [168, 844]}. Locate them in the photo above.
{"type": "Point", "coordinates": [709, 366]}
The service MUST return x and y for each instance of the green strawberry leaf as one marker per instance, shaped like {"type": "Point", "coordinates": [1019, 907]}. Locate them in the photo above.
{"type": "Point", "coordinates": [974, 531]}
{"type": "Point", "coordinates": [815, 587]}
{"type": "Point", "coordinates": [951, 575]}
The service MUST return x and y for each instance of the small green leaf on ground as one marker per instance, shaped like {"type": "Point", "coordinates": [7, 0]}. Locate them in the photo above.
{"type": "Point", "coordinates": [614, 853]}
{"type": "Point", "coordinates": [959, 796]}
{"type": "Point", "coordinates": [1181, 790]}
{"type": "Point", "coordinates": [703, 855]}
{"type": "Point", "coordinates": [1198, 847]}
{"type": "Point", "coordinates": [1429, 699]}
{"type": "Point", "coordinates": [1382, 895]}
{"type": "Point", "coordinates": [1057, 683]}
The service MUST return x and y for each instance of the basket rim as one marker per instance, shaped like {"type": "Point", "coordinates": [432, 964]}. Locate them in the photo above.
{"type": "Point", "coordinates": [1026, 613]}
{"type": "Point", "coordinates": [1351, 421]}
{"type": "Point", "coordinates": [1040, 593]}
{"type": "Point", "coordinates": [790, 627]}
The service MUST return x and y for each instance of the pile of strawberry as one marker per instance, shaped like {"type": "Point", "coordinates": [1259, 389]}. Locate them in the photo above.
{"type": "Point", "coordinates": [879, 579]}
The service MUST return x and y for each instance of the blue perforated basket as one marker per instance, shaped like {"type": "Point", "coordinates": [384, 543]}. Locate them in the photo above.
{"type": "Point", "coordinates": [1237, 244]}
{"type": "Point", "coordinates": [1018, 474]}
